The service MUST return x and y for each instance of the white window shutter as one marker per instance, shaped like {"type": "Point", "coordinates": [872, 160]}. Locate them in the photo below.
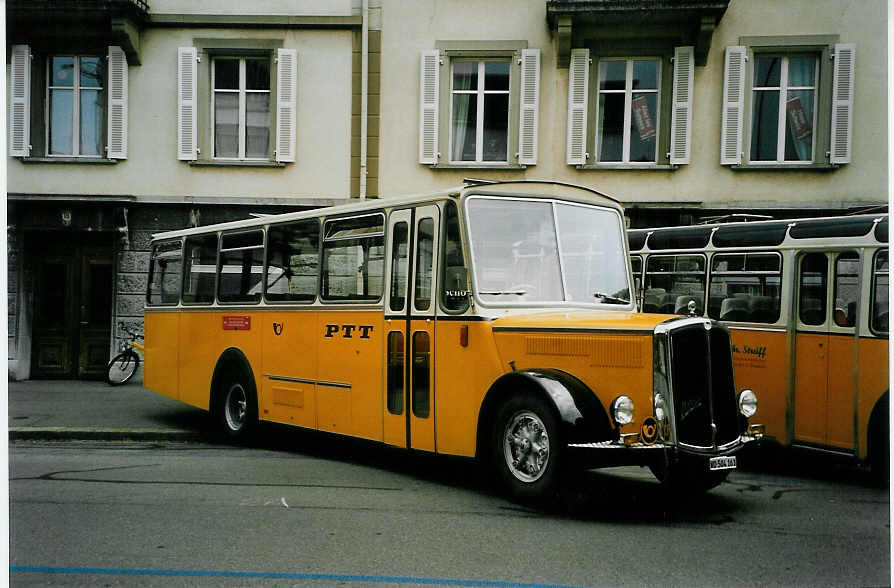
{"type": "Point", "coordinates": [842, 103]}
{"type": "Point", "coordinates": [186, 103]}
{"type": "Point", "coordinates": [286, 103]}
{"type": "Point", "coordinates": [681, 115]}
{"type": "Point", "coordinates": [20, 101]}
{"type": "Point", "coordinates": [530, 105]}
{"type": "Point", "coordinates": [733, 106]}
{"type": "Point", "coordinates": [578, 88]}
{"type": "Point", "coordinates": [428, 107]}
{"type": "Point", "coordinates": [116, 144]}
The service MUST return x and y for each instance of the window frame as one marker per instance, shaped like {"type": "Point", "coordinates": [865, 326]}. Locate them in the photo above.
{"type": "Point", "coordinates": [150, 274]}
{"type": "Point", "coordinates": [873, 286]}
{"type": "Point", "coordinates": [628, 92]}
{"type": "Point", "coordinates": [187, 267]}
{"type": "Point", "coordinates": [242, 91]}
{"type": "Point", "coordinates": [823, 46]}
{"type": "Point", "coordinates": [782, 91]}
{"type": "Point", "coordinates": [316, 293]}
{"type": "Point", "coordinates": [207, 50]}
{"type": "Point", "coordinates": [324, 239]}
{"type": "Point", "coordinates": [510, 51]}
{"type": "Point", "coordinates": [746, 272]}
{"type": "Point", "coordinates": [76, 101]}
{"type": "Point", "coordinates": [632, 50]}
{"type": "Point", "coordinates": [239, 299]}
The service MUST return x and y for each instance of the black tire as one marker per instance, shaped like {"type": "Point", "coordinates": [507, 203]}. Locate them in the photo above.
{"type": "Point", "coordinates": [526, 449]}
{"type": "Point", "coordinates": [879, 443]}
{"type": "Point", "coordinates": [122, 368]}
{"type": "Point", "coordinates": [236, 405]}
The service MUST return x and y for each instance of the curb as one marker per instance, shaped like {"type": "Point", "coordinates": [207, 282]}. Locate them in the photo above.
{"type": "Point", "coordinates": [101, 434]}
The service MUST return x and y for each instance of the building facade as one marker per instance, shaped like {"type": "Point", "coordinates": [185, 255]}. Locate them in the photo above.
{"type": "Point", "coordinates": [129, 117]}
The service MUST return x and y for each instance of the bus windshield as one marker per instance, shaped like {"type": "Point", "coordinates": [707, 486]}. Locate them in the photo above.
{"type": "Point", "coordinates": [534, 252]}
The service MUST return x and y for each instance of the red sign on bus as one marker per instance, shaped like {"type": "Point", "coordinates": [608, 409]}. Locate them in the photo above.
{"type": "Point", "coordinates": [236, 323]}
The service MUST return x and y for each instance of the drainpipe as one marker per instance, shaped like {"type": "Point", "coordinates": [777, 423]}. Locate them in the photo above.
{"type": "Point", "coordinates": [364, 91]}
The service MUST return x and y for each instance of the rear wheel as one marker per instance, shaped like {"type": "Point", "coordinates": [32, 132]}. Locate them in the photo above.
{"type": "Point", "coordinates": [236, 407]}
{"type": "Point", "coordinates": [526, 449]}
{"type": "Point", "coordinates": [122, 368]}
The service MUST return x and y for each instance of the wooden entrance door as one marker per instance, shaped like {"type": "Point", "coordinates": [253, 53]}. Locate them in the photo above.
{"type": "Point", "coordinates": [72, 305]}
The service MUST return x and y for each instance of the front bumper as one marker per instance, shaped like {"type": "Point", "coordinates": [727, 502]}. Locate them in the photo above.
{"type": "Point", "coordinates": [621, 452]}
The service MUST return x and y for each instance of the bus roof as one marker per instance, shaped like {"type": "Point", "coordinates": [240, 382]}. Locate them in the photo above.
{"type": "Point", "coordinates": [760, 233]}
{"type": "Point", "coordinates": [527, 188]}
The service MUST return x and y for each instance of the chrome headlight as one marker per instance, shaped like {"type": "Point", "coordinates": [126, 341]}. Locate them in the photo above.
{"type": "Point", "coordinates": [622, 410]}
{"type": "Point", "coordinates": [747, 403]}
{"type": "Point", "coordinates": [660, 408]}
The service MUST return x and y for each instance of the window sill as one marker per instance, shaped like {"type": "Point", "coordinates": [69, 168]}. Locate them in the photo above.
{"type": "Point", "coordinates": [784, 167]}
{"type": "Point", "coordinates": [479, 166]}
{"type": "Point", "coordinates": [627, 167]}
{"type": "Point", "coordinates": [75, 160]}
{"type": "Point", "coordinates": [212, 163]}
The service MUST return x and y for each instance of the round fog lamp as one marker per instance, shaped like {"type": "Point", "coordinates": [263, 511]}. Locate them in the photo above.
{"type": "Point", "coordinates": [622, 410]}
{"type": "Point", "coordinates": [747, 403]}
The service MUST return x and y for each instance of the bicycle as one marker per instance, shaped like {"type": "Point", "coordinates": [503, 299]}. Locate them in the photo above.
{"type": "Point", "coordinates": [124, 365]}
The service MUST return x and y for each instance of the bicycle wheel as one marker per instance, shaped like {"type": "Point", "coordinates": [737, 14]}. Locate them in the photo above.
{"type": "Point", "coordinates": [122, 368]}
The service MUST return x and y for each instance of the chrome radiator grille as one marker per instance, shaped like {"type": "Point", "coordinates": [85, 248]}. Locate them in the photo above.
{"type": "Point", "coordinates": [703, 392]}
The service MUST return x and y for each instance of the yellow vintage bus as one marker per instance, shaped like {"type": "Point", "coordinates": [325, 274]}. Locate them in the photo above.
{"type": "Point", "coordinates": [806, 302]}
{"type": "Point", "coordinates": [491, 321]}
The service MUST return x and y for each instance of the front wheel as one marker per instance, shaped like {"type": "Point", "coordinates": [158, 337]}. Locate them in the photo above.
{"type": "Point", "coordinates": [526, 449]}
{"type": "Point", "coordinates": [122, 368]}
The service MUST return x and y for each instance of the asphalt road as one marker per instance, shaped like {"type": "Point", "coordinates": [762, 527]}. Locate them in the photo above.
{"type": "Point", "coordinates": [305, 510]}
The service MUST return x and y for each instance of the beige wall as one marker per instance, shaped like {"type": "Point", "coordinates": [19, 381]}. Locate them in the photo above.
{"type": "Point", "coordinates": [152, 171]}
{"type": "Point", "coordinates": [411, 26]}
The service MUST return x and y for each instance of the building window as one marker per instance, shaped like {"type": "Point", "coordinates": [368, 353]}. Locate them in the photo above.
{"type": "Point", "coordinates": [479, 104]}
{"type": "Point", "coordinates": [627, 111]}
{"type": "Point", "coordinates": [479, 122]}
{"type": "Point", "coordinates": [783, 113]}
{"type": "Point", "coordinates": [75, 106]}
{"type": "Point", "coordinates": [241, 110]}
{"type": "Point", "coordinates": [788, 102]}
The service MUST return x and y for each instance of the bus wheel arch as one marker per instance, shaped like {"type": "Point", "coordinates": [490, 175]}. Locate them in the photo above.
{"type": "Point", "coordinates": [526, 420]}
{"type": "Point", "coordinates": [878, 439]}
{"type": "Point", "coordinates": [234, 398]}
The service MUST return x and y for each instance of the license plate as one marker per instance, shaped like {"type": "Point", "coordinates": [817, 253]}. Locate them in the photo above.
{"type": "Point", "coordinates": [722, 463]}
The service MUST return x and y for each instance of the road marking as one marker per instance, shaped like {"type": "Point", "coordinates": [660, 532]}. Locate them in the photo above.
{"type": "Point", "coordinates": [281, 576]}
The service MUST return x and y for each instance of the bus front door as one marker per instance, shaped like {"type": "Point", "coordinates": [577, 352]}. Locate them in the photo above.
{"type": "Point", "coordinates": [408, 415]}
{"type": "Point", "coordinates": [824, 381]}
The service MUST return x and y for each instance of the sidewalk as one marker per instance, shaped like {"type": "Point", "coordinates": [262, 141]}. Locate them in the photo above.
{"type": "Point", "coordinates": [73, 409]}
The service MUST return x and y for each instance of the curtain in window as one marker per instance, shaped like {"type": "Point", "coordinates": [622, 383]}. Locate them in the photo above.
{"type": "Point", "coordinates": [465, 77]}
{"type": "Point", "coordinates": [799, 108]}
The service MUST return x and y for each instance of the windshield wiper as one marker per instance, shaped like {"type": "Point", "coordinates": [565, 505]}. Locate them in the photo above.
{"type": "Point", "coordinates": [610, 298]}
{"type": "Point", "coordinates": [499, 293]}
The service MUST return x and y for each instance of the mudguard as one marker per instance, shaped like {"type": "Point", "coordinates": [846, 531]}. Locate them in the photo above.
{"type": "Point", "coordinates": [582, 415]}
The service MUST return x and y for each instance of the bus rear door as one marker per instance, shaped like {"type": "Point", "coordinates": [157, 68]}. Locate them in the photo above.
{"type": "Point", "coordinates": [824, 378]}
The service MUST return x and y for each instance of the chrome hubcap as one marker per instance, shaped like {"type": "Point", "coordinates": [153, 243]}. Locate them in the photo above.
{"type": "Point", "coordinates": [235, 407]}
{"type": "Point", "coordinates": [526, 446]}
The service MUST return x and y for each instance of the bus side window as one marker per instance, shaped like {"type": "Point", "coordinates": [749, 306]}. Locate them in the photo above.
{"type": "Point", "coordinates": [847, 289]}
{"type": "Point", "coordinates": [354, 258]}
{"type": "Point", "coordinates": [293, 257]}
{"type": "Point", "coordinates": [812, 289]}
{"type": "Point", "coordinates": [879, 320]}
{"type": "Point", "coordinates": [240, 264]}
{"type": "Point", "coordinates": [165, 272]}
{"type": "Point", "coordinates": [746, 287]}
{"type": "Point", "coordinates": [199, 268]}
{"type": "Point", "coordinates": [454, 280]}
{"type": "Point", "coordinates": [672, 282]}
